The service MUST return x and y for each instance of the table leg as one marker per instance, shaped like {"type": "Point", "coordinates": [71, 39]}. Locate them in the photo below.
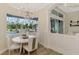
{"type": "Point", "coordinates": [21, 48]}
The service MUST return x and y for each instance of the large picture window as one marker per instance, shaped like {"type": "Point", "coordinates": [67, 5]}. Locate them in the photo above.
{"type": "Point", "coordinates": [16, 23]}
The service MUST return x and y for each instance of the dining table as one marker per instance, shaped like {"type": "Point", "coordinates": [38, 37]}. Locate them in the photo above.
{"type": "Point", "coordinates": [21, 41]}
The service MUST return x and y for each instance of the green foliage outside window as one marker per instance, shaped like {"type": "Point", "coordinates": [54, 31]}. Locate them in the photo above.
{"type": "Point", "coordinates": [18, 26]}
{"type": "Point", "coordinates": [11, 26]}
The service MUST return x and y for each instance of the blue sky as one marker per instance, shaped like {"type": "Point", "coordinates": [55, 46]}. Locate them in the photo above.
{"type": "Point", "coordinates": [20, 20]}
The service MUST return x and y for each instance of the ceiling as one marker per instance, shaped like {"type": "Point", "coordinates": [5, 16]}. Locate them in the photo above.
{"type": "Point", "coordinates": [66, 7]}
{"type": "Point", "coordinates": [69, 7]}
{"type": "Point", "coordinates": [29, 6]}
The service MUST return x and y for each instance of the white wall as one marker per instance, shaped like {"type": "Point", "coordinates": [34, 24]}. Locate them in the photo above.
{"type": "Point", "coordinates": [74, 16]}
{"type": "Point", "coordinates": [63, 43]}
{"type": "Point", "coordinates": [43, 26]}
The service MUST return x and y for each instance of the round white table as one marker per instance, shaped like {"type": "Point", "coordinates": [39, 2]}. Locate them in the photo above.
{"type": "Point", "coordinates": [19, 40]}
{"type": "Point", "coordinates": [22, 41]}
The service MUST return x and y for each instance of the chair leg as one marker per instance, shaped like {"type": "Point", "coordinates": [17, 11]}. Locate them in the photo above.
{"type": "Point", "coordinates": [20, 50]}
{"type": "Point", "coordinates": [13, 51]}
{"type": "Point", "coordinates": [23, 51]}
{"type": "Point", "coordinates": [9, 52]}
{"type": "Point", "coordinates": [28, 53]}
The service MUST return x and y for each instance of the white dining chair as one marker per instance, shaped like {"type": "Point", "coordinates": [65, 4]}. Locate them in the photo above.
{"type": "Point", "coordinates": [11, 46]}
{"type": "Point", "coordinates": [32, 45]}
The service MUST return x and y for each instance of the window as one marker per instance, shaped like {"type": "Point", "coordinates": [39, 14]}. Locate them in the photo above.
{"type": "Point", "coordinates": [57, 13]}
{"type": "Point", "coordinates": [60, 15]}
{"type": "Point", "coordinates": [56, 26]}
{"type": "Point", "coordinates": [17, 23]}
{"type": "Point", "coordinates": [54, 12]}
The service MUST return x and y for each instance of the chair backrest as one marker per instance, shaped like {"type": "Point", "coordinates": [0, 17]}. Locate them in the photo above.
{"type": "Point", "coordinates": [32, 44]}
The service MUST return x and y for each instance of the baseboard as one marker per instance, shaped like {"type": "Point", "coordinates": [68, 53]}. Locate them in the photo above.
{"type": "Point", "coordinates": [43, 45]}
{"type": "Point", "coordinates": [51, 48]}
{"type": "Point", "coordinates": [56, 49]}
{"type": "Point", "coordinates": [2, 51]}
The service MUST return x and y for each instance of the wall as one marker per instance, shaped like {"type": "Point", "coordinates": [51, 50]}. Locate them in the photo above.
{"type": "Point", "coordinates": [63, 43]}
{"type": "Point", "coordinates": [74, 17]}
{"type": "Point", "coordinates": [44, 24]}
{"type": "Point", "coordinates": [42, 15]}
